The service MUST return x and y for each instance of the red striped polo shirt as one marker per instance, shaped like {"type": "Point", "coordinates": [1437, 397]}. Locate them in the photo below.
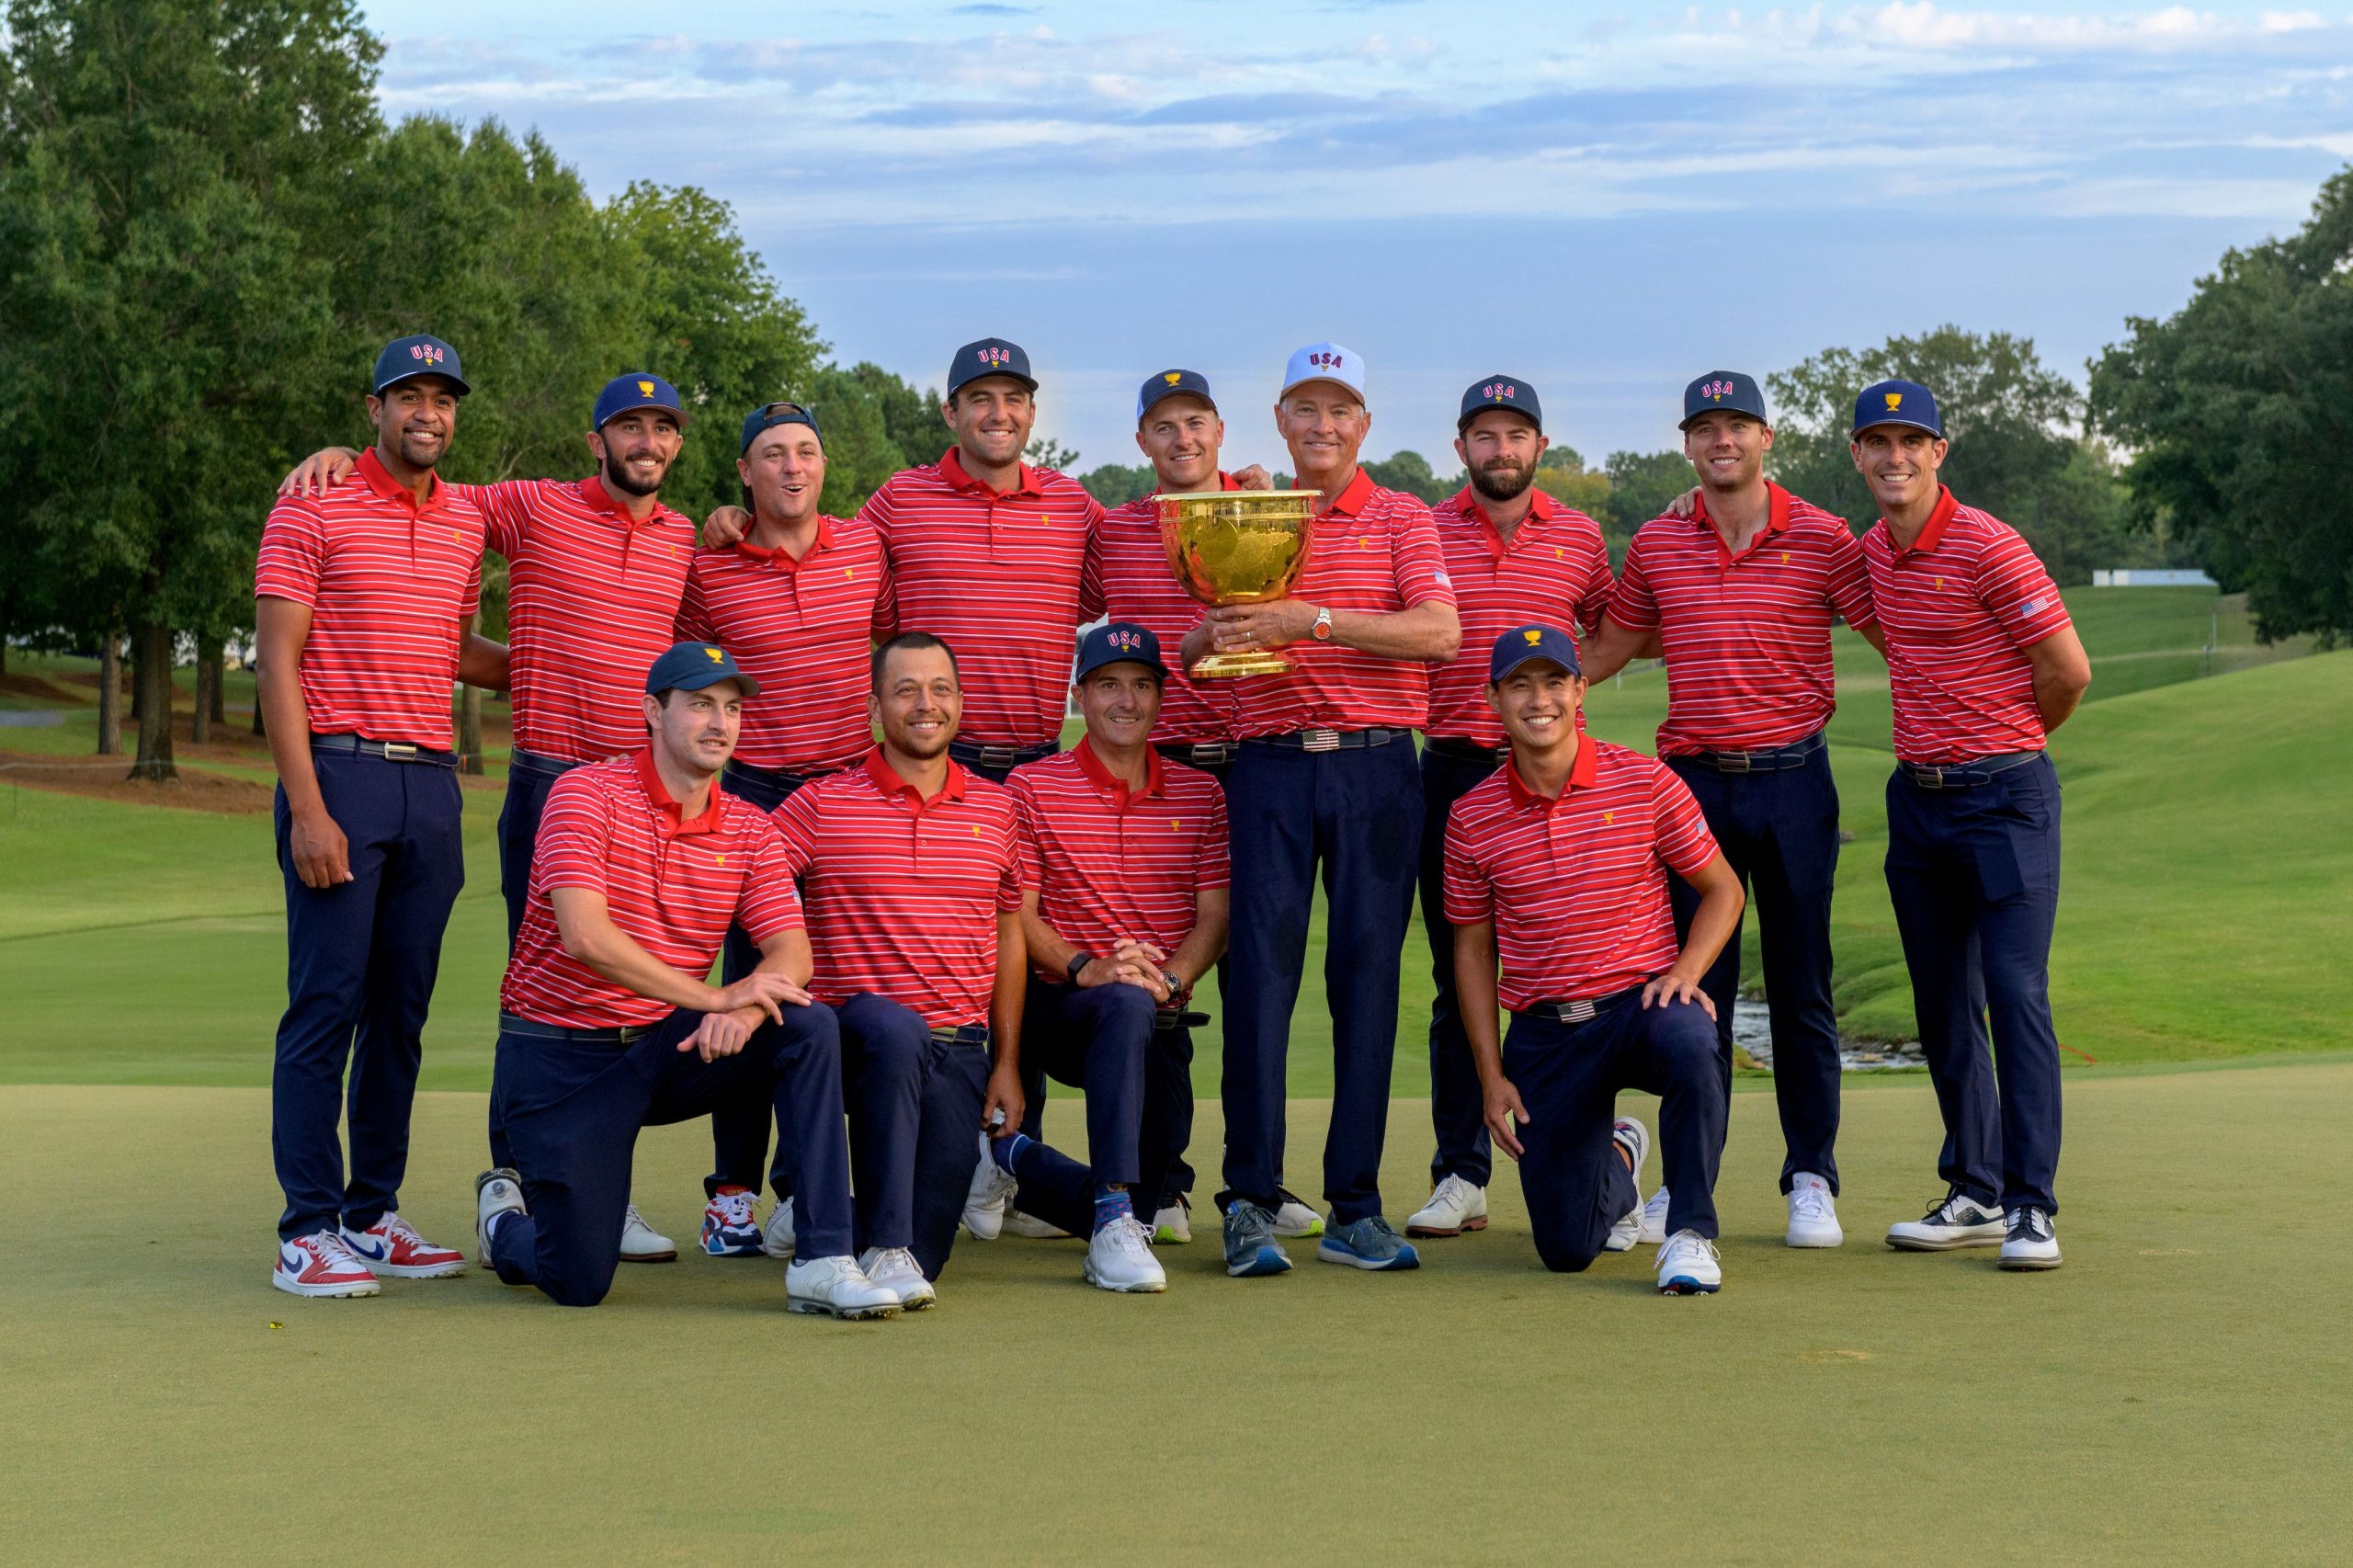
{"type": "Point", "coordinates": [1960, 609]}
{"type": "Point", "coordinates": [391, 585]}
{"type": "Point", "coordinates": [591, 598]}
{"type": "Point", "coordinates": [672, 882]}
{"type": "Point", "coordinates": [1373, 552]}
{"type": "Point", "coordinates": [1127, 573]}
{"type": "Point", "coordinates": [1553, 569]}
{"type": "Point", "coordinates": [1000, 578]}
{"type": "Point", "coordinates": [1746, 636]}
{"type": "Point", "coordinates": [805, 630]}
{"type": "Point", "coordinates": [1577, 886]}
{"type": "Point", "coordinates": [1111, 865]}
{"type": "Point", "coordinates": [903, 893]}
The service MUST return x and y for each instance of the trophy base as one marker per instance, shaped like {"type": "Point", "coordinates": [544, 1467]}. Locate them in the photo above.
{"type": "Point", "coordinates": [1227, 666]}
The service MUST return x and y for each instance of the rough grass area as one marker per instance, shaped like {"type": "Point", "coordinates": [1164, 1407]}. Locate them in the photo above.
{"type": "Point", "coordinates": [2178, 1392]}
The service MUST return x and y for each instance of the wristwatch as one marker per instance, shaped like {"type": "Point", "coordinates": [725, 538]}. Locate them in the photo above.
{"type": "Point", "coordinates": [1323, 627]}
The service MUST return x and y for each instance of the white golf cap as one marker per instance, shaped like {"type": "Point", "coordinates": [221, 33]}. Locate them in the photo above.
{"type": "Point", "coordinates": [1323, 362]}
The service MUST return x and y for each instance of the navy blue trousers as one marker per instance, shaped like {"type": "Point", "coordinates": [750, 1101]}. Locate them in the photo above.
{"type": "Point", "coordinates": [1103, 1040]}
{"type": "Point", "coordinates": [739, 1130]}
{"type": "Point", "coordinates": [529, 779]}
{"type": "Point", "coordinates": [574, 1112]}
{"type": "Point", "coordinates": [360, 962]}
{"type": "Point", "coordinates": [915, 1124]}
{"type": "Point", "coordinates": [1568, 1075]}
{"type": "Point", "coordinates": [1179, 1181]}
{"type": "Point", "coordinates": [1974, 877]}
{"type": "Point", "coordinates": [1457, 1108]}
{"type": "Point", "coordinates": [1355, 816]}
{"type": "Point", "coordinates": [1779, 832]}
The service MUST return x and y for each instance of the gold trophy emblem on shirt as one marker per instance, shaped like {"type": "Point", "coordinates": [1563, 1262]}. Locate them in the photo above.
{"type": "Point", "coordinates": [1237, 547]}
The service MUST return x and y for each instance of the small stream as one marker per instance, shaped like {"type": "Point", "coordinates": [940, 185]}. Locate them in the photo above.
{"type": "Point", "coordinates": [1752, 1030]}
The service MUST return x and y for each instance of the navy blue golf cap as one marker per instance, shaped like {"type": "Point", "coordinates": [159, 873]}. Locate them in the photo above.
{"type": "Point", "coordinates": [1724, 391]}
{"type": "Point", "coordinates": [690, 666]}
{"type": "Point", "coordinates": [1500, 392]}
{"type": "Point", "coordinates": [404, 358]}
{"type": "Point", "coordinates": [1173, 383]}
{"type": "Point", "coordinates": [1118, 643]}
{"type": "Point", "coordinates": [767, 416]}
{"type": "Point", "coordinates": [1898, 403]}
{"type": "Point", "coordinates": [989, 356]}
{"type": "Point", "coordinates": [637, 390]}
{"type": "Point", "coordinates": [1523, 643]}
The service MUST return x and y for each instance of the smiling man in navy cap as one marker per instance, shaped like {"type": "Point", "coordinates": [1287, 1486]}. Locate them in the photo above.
{"type": "Point", "coordinates": [1740, 590]}
{"type": "Point", "coordinates": [595, 567]}
{"type": "Point", "coordinates": [1983, 663]}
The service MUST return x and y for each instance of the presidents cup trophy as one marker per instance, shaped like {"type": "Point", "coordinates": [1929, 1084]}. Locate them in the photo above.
{"type": "Point", "coordinates": [1237, 547]}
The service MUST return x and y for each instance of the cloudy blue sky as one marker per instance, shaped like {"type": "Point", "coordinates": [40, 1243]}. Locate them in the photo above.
{"type": "Point", "coordinates": [1601, 200]}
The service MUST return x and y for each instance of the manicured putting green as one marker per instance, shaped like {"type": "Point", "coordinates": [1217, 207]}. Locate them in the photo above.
{"type": "Point", "coordinates": [2178, 1392]}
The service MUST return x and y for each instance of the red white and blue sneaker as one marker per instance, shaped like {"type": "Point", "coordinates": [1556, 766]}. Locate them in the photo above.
{"type": "Point", "coordinates": [728, 1228]}
{"type": "Point", "coordinates": [1687, 1266]}
{"type": "Point", "coordinates": [320, 1265]}
{"type": "Point", "coordinates": [392, 1249]}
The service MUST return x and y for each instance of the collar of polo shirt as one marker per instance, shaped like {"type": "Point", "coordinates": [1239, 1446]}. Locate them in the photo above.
{"type": "Point", "coordinates": [886, 778]}
{"type": "Point", "coordinates": [657, 795]}
{"type": "Point", "coordinates": [593, 491]}
{"type": "Point", "coordinates": [781, 556]}
{"type": "Point", "coordinates": [1353, 496]}
{"type": "Point", "coordinates": [951, 468]}
{"type": "Point", "coordinates": [1155, 775]}
{"type": "Point", "coordinates": [1777, 509]}
{"type": "Point", "coordinates": [1932, 533]}
{"type": "Point", "coordinates": [379, 478]}
{"type": "Point", "coordinates": [1581, 776]}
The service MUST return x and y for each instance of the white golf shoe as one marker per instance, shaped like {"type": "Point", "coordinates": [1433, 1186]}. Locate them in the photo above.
{"type": "Point", "coordinates": [641, 1242]}
{"type": "Point", "coordinates": [497, 1192]}
{"type": "Point", "coordinates": [1687, 1266]}
{"type": "Point", "coordinates": [2032, 1242]}
{"type": "Point", "coordinates": [776, 1236]}
{"type": "Point", "coordinates": [1293, 1218]}
{"type": "Point", "coordinates": [835, 1287]}
{"type": "Point", "coordinates": [1951, 1221]}
{"type": "Point", "coordinates": [1173, 1226]}
{"type": "Point", "coordinates": [1455, 1206]}
{"type": "Point", "coordinates": [990, 1197]}
{"type": "Point", "coordinates": [895, 1269]}
{"type": "Point", "coordinates": [1120, 1258]}
{"type": "Point", "coordinates": [1030, 1225]}
{"type": "Point", "coordinates": [1814, 1213]}
{"type": "Point", "coordinates": [1635, 1138]}
{"type": "Point", "coordinates": [1655, 1219]}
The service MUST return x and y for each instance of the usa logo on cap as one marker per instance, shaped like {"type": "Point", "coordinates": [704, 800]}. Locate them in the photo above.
{"type": "Point", "coordinates": [430, 353]}
{"type": "Point", "coordinates": [1499, 391]}
{"type": "Point", "coordinates": [1125, 640]}
{"type": "Point", "coordinates": [994, 356]}
{"type": "Point", "coordinates": [1326, 359]}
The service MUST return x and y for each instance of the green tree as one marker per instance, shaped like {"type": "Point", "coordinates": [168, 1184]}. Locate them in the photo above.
{"type": "Point", "coordinates": [165, 171]}
{"type": "Point", "coordinates": [2237, 406]}
{"type": "Point", "coordinates": [1116, 484]}
{"type": "Point", "coordinates": [1640, 484]}
{"type": "Point", "coordinates": [1044, 451]}
{"type": "Point", "coordinates": [1409, 471]}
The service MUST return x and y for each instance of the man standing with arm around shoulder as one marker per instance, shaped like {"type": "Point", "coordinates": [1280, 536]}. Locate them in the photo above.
{"type": "Point", "coordinates": [1515, 556]}
{"type": "Point", "coordinates": [363, 597]}
{"type": "Point", "coordinates": [1983, 663]}
{"type": "Point", "coordinates": [1557, 868]}
{"type": "Point", "coordinates": [912, 874]}
{"type": "Point", "coordinates": [1741, 591]}
{"type": "Point", "coordinates": [606, 1024]}
{"type": "Point", "coordinates": [1326, 779]}
{"type": "Point", "coordinates": [1123, 907]}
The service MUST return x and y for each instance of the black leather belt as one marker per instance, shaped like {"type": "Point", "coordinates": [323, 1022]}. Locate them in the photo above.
{"type": "Point", "coordinates": [1198, 753]}
{"type": "Point", "coordinates": [962, 1034]}
{"type": "Point", "coordinates": [1581, 1011]}
{"type": "Point", "coordinates": [1332, 740]}
{"type": "Point", "coordinates": [1168, 1019]}
{"type": "Point", "coordinates": [1769, 759]}
{"type": "Point", "coordinates": [1967, 775]}
{"type": "Point", "coordinates": [391, 751]}
{"type": "Point", "coordinates": [972, 754]}
{"type": "Point", "coordinates": [532, 1028]}
{"type": "Point", "coordinates": [532, 761]}
{"type": "Point", "coordinates": [1467, 751]}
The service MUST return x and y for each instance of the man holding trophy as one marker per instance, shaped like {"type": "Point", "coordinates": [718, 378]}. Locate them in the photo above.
{"type": "Point", "coordinates": [1325, 778]}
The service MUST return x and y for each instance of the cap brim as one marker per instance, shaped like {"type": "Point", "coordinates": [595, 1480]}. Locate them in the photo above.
{"type": "Point", "coordinates": [1856, 433]}
{"type": "Point", "coordinates": [457, 381]}
{"type": "Point", "coordinates": [678, 414]}
{"type": "Point", "coordinates": [1154, 665]}
{"type": "Point", "coordinates": [1291, 387]}
{"type": "Point", "coordinates": [1496, 678]}
{"type": "Point", "coordinates": [1028, 381]}
{"type": "Point", "coordinates": [1691, 419]}
{"type": "Point", "coordinates": [1463, 423]}
{"type": "Point", "coordinates": [751, 687]}
{"type": "Point", "coordinates": [1175, 392]}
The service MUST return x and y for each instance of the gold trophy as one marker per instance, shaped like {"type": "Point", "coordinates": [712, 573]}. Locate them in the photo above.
{"type": "Point", "coordinates": [1237, 547]}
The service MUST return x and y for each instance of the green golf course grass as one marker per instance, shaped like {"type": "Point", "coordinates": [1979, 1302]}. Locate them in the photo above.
{"type": "Point", "coordinates": [2178, 1392]}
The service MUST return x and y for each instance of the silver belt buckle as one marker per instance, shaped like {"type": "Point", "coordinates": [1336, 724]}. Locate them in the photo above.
{"type": "Point", "coordinates": [399, 751]}
{"type": "Point", "coordinates": [1733, 762]}
{"type": "Point", "coordinates": [1929, 777]}
{"type": "Point", "coordinates": [1319, 740]}
{"type": "Point", "coordinates": [1577, 1012]}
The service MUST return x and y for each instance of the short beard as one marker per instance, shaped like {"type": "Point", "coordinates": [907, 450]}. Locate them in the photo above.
{"type": "Point", "coordinates": [616, 477]}
{"type": "Point", "coordinates": [422, 465]}
{"type": "Point", "coordinates": [1509, 488]}
{"type": "Point", "coordinates": [908, 746]}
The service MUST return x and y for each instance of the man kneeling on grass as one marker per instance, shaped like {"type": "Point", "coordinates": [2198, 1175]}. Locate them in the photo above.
{"type": "Point", "coordinates": [606, 1025]}
{"type": "Point", "coordinates": [1558, 864]}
